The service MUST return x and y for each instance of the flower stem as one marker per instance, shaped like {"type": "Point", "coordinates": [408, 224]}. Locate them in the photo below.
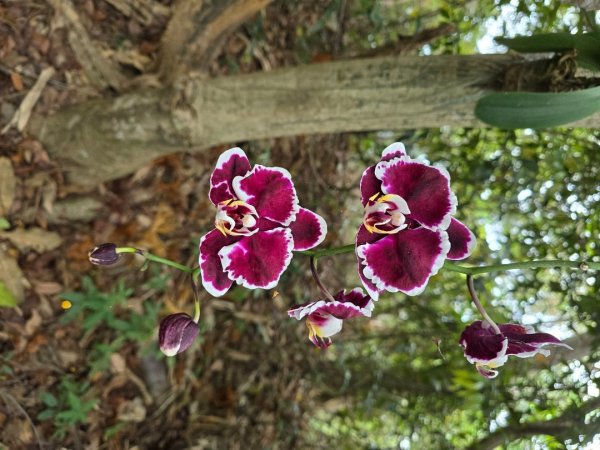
{"type": "Point", "coordinates": [157, 259]}
{"type": "Point", "coordinates": [479, 306]}
{"type": "Point", "coordinates": [196, 299]}
{"type": "Point", "coordinates": [313, 269]}
{"type": "Point", "coordinates": [328, 251]}
{"type": "Point", "coordinates": [535, 264]}
{"type": "Point", "coordinates": [474, 270]}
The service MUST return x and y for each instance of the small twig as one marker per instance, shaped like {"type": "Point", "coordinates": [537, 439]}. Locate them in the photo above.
{"type": "Point", "coordinates": [6, 396]}
{"type": "Point", "coordinates": [23, 114]}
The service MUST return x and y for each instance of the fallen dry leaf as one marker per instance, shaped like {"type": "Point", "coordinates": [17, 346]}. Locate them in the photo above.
{"type": "Point", "coordinates": [17, 81]}
{"type": "Point", "coordinates": [7, 186]}
{"type": "Point", "coordinates": [33, 238]}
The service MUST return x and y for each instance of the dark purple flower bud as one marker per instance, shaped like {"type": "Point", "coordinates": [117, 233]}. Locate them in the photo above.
{"type": "Point", "coordinates": [104, 254]}
{"type": "Point", "coordinates": [176, 333]}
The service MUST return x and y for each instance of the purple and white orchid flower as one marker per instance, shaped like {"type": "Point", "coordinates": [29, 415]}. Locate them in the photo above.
{"type": "Point", "coordinates": [324, 318]}
{"type": "Point", "coordinates": [408, 229]}
{"type": "Point", "coordinates": [488, 350]}
{"type": "Point", "coordinates": [258, 224]}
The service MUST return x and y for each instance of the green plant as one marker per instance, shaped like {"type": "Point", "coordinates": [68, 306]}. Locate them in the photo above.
{"type": "Point", "coordinates": [70, 406]}
{"type": "Point", "coordinates": [109, 309]}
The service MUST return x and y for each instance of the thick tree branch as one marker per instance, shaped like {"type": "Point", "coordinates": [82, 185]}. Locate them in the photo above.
{"type": "Point", "coordinates": [106, 139]}
{"type": "Point", "coordinates": [571, 422]}
{"type": "Point", "coordinates": [99, 70]}
{"type": "Point", "coordinates": [197, 30]}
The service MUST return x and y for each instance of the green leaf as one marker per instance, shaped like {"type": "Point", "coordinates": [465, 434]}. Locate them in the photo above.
{"type": "Point", "coordinates": [48, 399]}
{"type": "Point", "coordinates": [4, 224]}
{"type": "Point", "coordinates": [7, 300]}
{"type": "Point", "coordinates": [46, 414]}
{"type": "Point", "coordinates": [510, 110]}
{"type": "Point", "coordinates": [586, 44]}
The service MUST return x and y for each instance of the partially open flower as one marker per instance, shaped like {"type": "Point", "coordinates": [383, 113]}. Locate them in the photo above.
{"type": "Point", "coordinates": [408, 229]}
{"type": "Point", "coordinates": [104, 254]}
{"type": "Point", "coordinates": [257, 226]}
{"type": "Point", "coordinates": [489, 350]}
{"type": "Point", "coordinates": [324, 318]}
{"type": "Point", "coordinates": [176, 333]}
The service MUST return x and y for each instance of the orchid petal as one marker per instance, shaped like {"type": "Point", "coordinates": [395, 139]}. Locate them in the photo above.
{"type": "Point", "coordinates": [462, 240]}
{"type": "Point", "coordinates": [309, 229]}
{"type": "Point", "coordinates": [426, 190]}
{"type": "Point", "coordinates": [365, 237]}
{"type": "Point", "coordinates": [404, 261]}
{"type": "Point", "coordinates": [369, 185]}
{"type": "Point", "coordinates": [258, 261]}
{"type": "Point", "coordinates": [271, 191]}
{"type": "Point", "coordinates": [214, 278]}
{"type": "Point", "coordinates": [482, 345]}
{"type": "Point", "coordinates": [392, 151]}
{"type": "Point", "coordinates": [230, 164]}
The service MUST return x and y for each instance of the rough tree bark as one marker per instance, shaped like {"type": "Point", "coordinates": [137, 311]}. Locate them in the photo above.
{"type": "Point", "coordinates": [106, 139]}
{"type": "Point", "coordinates": [197, 31]}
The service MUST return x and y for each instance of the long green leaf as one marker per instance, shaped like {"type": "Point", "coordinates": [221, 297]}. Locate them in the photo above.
{"type": "Point", "coordinates": [586, 44]}
{"type": "Point", "coordinates": [512, 110]}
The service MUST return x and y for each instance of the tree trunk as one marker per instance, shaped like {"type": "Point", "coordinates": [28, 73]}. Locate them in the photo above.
{"type": "Point", "coordinates": [106, 139]}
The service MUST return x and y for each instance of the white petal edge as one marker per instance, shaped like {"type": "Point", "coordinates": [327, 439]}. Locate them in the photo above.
{"type": "Point", "coordinates": [393, 148]}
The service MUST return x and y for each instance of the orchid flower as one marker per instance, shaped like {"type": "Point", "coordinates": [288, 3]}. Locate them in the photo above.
{"type": "Point", "coordinates": [257, 226]}
{"type": "Point", "coordinates": [324, 318]}
{"type": "Point", "coordinates": [488, 350]}
{"type": "Point", "coordinates": [408, 230]}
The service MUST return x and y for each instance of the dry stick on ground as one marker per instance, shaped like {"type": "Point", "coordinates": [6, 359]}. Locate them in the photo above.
{"type": "Point", "coordinates": [101, 72]}
{"type": "Point", "coordinates": [197, 30]}
{"type": "Point", "coordinates": [22, 115]}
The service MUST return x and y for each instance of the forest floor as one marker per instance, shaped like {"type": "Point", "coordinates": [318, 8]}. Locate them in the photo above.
{"type": "Point", "coordinates": [91, 376]}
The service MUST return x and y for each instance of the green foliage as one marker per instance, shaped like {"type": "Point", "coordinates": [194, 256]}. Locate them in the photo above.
{"type": "Point", "coordinates": [111, 311]}
{"type": "Point", "coordinates": [7, 300]}
{"type": "Point", "coordinates": [69, 407]}
{"type": "Point", "coordinates": [511, 110]}
{"type": "Point", "coordinates": [587, 45]}
{"type": "Point", "coordinates": [96, 307]}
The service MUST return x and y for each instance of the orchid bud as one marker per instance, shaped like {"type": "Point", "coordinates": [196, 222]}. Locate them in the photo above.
{"type": "Point", "coordinates": [177, 333]}
{"type": "Point", "coordinates": [104, 254]}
